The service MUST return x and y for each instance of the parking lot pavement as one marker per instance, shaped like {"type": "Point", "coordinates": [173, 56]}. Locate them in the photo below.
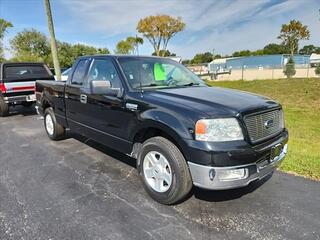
{"type": "Point", "coordinates": [78, 189]}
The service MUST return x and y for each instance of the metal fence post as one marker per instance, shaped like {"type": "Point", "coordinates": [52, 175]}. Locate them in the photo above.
{"type": "Point", "coordinates": [242, 71]}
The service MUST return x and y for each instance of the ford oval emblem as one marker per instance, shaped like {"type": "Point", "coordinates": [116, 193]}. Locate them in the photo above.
{"type": "Point", "coordinates": [269, 123]}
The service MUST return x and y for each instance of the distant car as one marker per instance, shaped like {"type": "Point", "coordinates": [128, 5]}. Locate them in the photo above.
{"type": "Point", "coordinates": [64, 74]}
{"type": "Point", "coordinates": [17, 84]}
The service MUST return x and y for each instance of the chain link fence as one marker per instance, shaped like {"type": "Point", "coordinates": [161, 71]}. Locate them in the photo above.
{"type": "Point", "coordinates": [261, 72]}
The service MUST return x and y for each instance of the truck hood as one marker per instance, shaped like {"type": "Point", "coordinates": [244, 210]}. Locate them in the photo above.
{"type": "Point", "coordinates": [215, 100]}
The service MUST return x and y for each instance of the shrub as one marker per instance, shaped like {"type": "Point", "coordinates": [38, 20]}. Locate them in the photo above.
{"type": "Point", "coordinates": [317, 70]}
{"type": "Point", "coordinates": [289, 69]}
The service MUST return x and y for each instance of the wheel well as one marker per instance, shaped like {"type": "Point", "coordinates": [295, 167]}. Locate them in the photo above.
{"type": "Point", "coordinates": [45, 105]}
{"type": "Point", "coordinates": [148, 133]}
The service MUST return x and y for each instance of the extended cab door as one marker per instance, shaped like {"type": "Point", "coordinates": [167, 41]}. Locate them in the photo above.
{"type": "Point", "coordinates": [104, 115]}
{"type": "Point", "coordinates": [74, 95]}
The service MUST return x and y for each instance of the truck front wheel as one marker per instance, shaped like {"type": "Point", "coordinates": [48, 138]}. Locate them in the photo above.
{"type": "Point", "coordinates": [164, 171]}
{"type": "Point", "coordinates": [54, 130]}
{"type": "Point", "coordinates": [4, 108]}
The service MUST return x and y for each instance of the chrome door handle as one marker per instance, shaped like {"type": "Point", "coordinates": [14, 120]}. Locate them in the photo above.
{"type": "Point", "coordinates": [83, 98]}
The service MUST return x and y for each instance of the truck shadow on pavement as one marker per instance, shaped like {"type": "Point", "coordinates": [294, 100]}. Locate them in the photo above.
{"type": "Point", "coordinates": [24, 111]}
{"type": "Point", "coordinates": [198, 193]}
{"type": "Point", "coordinates": [226, 195]}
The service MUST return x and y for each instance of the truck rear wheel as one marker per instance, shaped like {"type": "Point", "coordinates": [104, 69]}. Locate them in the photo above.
{"type": "Point", "coordinates": [164, 171]}
{"type": "Point", "coordinates": [4, 108]}
{"type": "Point", "coordinates": [54, 130]}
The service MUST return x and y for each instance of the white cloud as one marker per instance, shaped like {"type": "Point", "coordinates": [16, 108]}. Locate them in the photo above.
{"type": "Point", "coordinates": [223, 25]}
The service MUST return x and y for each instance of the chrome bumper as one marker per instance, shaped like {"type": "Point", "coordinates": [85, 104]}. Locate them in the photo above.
{"type": "Point", "coordinates": [20, 99]}
{"type": "Point", "coordinates": [211, 177]}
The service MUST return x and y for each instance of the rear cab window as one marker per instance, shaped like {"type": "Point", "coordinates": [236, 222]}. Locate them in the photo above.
{"type": "Point", "coordinates": [16, 73]}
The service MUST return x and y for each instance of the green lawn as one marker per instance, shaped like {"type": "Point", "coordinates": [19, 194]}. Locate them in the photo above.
{"type": "Point", "coordinates": [301, 101]}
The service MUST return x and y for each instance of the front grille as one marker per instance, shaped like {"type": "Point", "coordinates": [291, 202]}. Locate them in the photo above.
{"type": "Point", "coordinates": [263, 125]}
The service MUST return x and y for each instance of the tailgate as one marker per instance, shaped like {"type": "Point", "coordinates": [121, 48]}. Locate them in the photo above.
{"type": "Point", "coordinates": [19, 87]}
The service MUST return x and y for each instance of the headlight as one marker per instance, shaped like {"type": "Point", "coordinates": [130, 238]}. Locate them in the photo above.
{"type": "Point", "coordinates": [218, 130]}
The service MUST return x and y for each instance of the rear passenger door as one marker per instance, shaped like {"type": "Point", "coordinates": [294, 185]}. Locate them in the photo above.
{"type": "Point", "coordinates": [74, 95]}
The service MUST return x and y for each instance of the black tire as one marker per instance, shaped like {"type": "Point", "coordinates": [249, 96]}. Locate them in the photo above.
{"type": "Point", "coordinates": [181, 183]}
{"type": "Point", "coordinates": [58, 132]}
{"type": "Point", "coordinates": [4, 108]}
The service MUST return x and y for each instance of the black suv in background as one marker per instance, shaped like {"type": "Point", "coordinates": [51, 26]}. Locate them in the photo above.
{"type": "Point", "coordinates": [17, 83]}
{"type": "Point", "coordinates": [181, 132]}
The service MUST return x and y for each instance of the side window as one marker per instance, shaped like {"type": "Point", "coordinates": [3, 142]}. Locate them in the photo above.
{"type": "Point", "coordinates": [79, 72]}
{"type": "Point", "coordinates": [104, 70]}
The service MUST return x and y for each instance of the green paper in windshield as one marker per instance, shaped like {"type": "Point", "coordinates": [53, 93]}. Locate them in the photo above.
{"type": "Point", "coordinates": [159, 73]}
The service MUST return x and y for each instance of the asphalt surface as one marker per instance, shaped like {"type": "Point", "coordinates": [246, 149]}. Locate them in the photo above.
{"type": "Point", "coordinates": [78, 189]}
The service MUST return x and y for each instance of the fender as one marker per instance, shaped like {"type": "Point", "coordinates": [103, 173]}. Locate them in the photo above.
{"type": "Point", "coordinates": [176, 126]}
{"type": "Point", "coordinates": [166, 122]}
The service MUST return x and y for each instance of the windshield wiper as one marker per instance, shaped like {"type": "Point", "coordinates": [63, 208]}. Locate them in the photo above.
{"type": "Point", "coordinates": [190, 84]}
{"type": "Point", "coordinates": [149, 85]}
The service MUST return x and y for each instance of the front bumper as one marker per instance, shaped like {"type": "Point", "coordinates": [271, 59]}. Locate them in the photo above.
{"type": "Point", "coordinates": [213, 178]}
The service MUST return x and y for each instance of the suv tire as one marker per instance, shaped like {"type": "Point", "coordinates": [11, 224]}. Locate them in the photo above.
{"type": "Point", "coordinates": [4, 108]}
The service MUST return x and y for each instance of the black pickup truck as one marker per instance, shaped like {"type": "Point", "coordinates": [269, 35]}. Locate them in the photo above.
{"type": "Point", "coordinates": [17, 83]}
{"type": "Point", "coordinates": [180, 131]}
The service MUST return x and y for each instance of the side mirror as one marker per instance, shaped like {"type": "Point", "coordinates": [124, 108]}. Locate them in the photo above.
{"type": "Point", "coordinates": [103, 87]}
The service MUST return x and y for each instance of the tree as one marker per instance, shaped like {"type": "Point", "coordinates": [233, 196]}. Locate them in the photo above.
{"type": "Point", "coordinates": [186, 62]}
{"type": "Point", "coordinates": [129, 45]}
{"type": "Point", "coordinates": [124, 47]}
{"type": "Point", "coordinates": [309, 49]}
{"type": "Point", "coordinates": [159, 30]}
{"type": "Point", "coordinates": [317, 70]}
{"type": "Point", "coordinates": [4, 25]}
{"type": "Point", "coordinates": [292, 33]}
{"type": "Point", "coordinates": [289, 70]}
{"type": "Point", "coordinates": [202, 58]}
{"type": "Point", "coordinates": [274, 48]}
{"type": "Point", "coordinates": [135, 41]}
{"type": "Point", "coordinates": [30, 45]}
{"type": "Point", "coordinates": [164, 53]}
{"type": "Point", "coordinates": [68, 53]}
{"type": "Point", "coordinates": [242, 53]}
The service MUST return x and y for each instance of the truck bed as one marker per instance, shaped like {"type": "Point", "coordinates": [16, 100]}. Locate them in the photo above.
{"type": "Point", "coordinates": [54, 93]}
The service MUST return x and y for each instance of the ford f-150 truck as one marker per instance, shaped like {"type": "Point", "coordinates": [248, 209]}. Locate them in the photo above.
{"type": "Point", "coordinates": [17, 84]}
{"type": "Point", "coordinates": [180, 131]}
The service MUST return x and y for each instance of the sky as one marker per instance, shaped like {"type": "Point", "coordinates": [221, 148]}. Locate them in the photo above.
{"type": "Point", "coordinates": [222, 26]}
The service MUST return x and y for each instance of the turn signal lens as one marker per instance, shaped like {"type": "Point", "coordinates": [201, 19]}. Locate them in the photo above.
{"type": "Point", "coordinates": [200, 127]}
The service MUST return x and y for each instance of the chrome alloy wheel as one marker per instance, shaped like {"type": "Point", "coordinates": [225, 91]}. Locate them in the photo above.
{"type": "Point", "coordinates": [49, 124]}
{"type": "Point", "coordinates": [157, 171]}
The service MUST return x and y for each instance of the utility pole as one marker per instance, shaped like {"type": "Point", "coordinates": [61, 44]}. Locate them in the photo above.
{"type": "Point", "coordinates": [53, 43]}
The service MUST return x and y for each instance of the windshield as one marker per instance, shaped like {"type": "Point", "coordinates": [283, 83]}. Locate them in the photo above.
{"type": "Point", "coordinates": [157, 73]}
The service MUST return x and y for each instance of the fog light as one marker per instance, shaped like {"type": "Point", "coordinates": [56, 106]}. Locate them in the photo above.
{"type": "Point", "coordinates": [232, 174]}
